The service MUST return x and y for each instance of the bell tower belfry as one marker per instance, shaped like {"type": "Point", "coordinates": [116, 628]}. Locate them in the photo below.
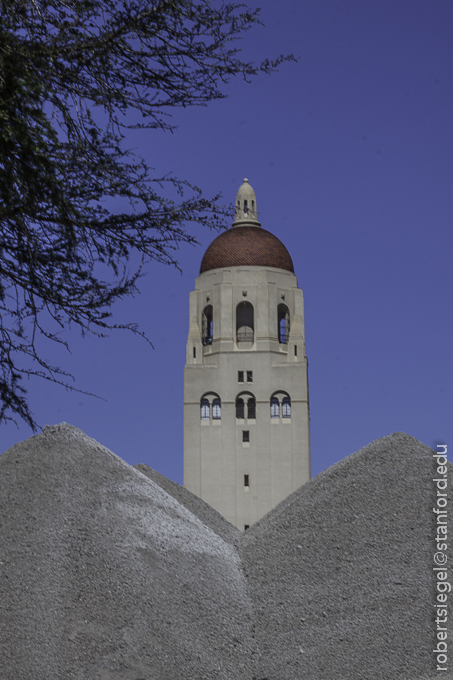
{"type": "Point", "coordinates": [246, 411]}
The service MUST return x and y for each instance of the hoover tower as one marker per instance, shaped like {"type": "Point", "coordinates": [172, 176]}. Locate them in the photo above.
{"type": "Point", "coordinates": [246, 410]}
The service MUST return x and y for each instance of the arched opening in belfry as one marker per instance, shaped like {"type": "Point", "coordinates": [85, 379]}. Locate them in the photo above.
{"type": "Point", "coordinates": [207, 325]}
{"type": "Point", "coordinates": [245, 322]}
{"type": "Point", "coordinates": [283, 324]}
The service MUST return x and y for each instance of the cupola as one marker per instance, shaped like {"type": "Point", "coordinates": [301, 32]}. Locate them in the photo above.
{"type": "Point", "coordinates": [246, 244]}
{"type": "Point", "coordinates": [246, 212]}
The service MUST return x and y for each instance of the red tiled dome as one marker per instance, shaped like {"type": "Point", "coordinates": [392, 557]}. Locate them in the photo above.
{"type": "Point", "coordinates": [246, 246]}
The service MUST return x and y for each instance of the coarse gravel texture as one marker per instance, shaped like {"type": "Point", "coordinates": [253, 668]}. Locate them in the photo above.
{"type": "Point", "coordinates": [189, 500]}
{"type": "Point", "coordinates": [105, 576]}
{"type": "Point", "coordinates": [341, 572]}
{"type": "Point", "coordinates": [108, 572]}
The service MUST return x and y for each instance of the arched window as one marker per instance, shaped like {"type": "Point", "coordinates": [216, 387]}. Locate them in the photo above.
{"type": "Point", "coordinates": [207, 326]}
{"type": "Point", "coordinates": [275, 407]}
{"type": "Point", "coordinates": [283, 324]}
{"type": "Point", "coordinates": [216, 409]}
{"type": "Point", "coordinates": [210, 406]}
{"type": "Point", "coordinates": [286, 407]}
{"type": "Point", "coordinates": [204, 409]}
{"type": "Point", "coordinates": [280, 405]}
{"type": "Point", "coordinates": [245, 322]}
{"type": "Point", "coordinates": [245, 406]}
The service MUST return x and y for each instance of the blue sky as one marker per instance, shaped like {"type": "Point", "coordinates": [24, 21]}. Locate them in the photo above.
{"type": "Point", "coordinates": [350, 155]}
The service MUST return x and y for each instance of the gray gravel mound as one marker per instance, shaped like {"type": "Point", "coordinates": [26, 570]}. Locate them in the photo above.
{"type": "Point", "coordinates": [341, 572]}
{"type": "Point", "coordinates": [189, 500]}
{"type": "Point", "coordinates": [105, 576]}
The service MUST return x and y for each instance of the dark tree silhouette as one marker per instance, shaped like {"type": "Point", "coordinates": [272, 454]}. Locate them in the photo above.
{"type": "Point", "coordinates": [74, 75]}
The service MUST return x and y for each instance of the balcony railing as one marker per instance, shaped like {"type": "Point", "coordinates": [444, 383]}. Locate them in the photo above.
{"type": "Point", "coordinates": [245, 334]}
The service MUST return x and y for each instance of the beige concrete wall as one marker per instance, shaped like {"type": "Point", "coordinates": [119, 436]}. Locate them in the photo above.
{"type": "Point", "coordinates": [277, 459]}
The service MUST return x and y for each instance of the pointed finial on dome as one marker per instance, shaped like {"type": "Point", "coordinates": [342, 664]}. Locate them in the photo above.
{"type": "Point", "coordinates": [246, 212]}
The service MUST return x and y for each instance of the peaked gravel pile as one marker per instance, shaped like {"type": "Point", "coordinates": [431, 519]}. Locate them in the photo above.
{"type": "Point", "coordinates": [341, 572]}
{"type": "Point", "coordinates": [202, 510]}
{"type": "Point", "coordinates": [113, 573]}
{"type": "Point", "coordinates": [105, 576]}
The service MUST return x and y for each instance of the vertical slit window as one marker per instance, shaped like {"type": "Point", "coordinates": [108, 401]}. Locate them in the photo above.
{"type": "Point", "coordinates": [245, 436]}
{"type": "Point", "coordinates": [246, 481]}
{"type": "Point", "coordinates": [239, 408]}
{"type": "Point", "coordinates": [283, 324]}
{"type": "Point", "coordinates": [251, 408]}
{"type": "Point", "coordinates": [207, 325]}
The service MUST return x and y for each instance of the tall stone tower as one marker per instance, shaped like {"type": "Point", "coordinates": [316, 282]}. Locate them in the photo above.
{"type": "Point", "coordinates": [246, 412]}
